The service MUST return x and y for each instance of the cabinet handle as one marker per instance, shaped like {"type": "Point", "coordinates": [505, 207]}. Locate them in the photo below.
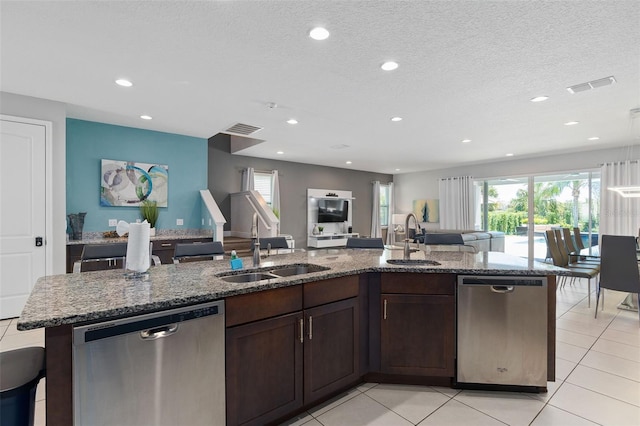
{"type": "Point", "coordinates": [165, 244]}
{"type": "Point", "coordinates": [384, 310]}
{"type": "Point", "coordinates": [310, 327]}
{"type": "Point", "coordinates": [301, 330]}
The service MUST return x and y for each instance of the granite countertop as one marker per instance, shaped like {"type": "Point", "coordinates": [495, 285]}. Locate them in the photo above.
{"type": "Point", "coordinates": [102, 295]}
{"type": "Point", "coordinates": [162, 234]}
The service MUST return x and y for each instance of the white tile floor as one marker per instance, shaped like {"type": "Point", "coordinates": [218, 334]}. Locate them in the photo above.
{"type": "Point", "coordinates": [597, 380]}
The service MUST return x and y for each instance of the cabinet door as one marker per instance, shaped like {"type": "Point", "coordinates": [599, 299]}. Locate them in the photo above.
{"type": "Point", "coordinates": [264, 370]}
{"type": "Point", "coordinates": [331, 349]}
{"type": "Point", "coordinates": [417, 334]}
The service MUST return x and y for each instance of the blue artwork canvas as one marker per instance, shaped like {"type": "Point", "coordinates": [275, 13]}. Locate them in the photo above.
{"type": "Point", "coordinates": [127, 183]}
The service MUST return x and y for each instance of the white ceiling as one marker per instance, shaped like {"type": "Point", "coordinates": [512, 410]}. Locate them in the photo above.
{"type": "Point", "coordinates": [467, 70]}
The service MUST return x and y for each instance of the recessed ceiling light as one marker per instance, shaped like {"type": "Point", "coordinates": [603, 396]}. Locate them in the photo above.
{"type": "Point", "coordinates": [571, 123]}
{"type": "Point", "coordinates": [397, 170]}
{"type": "Point", "coordinates": [509, 154]}
{"type": "Point", "coordinates": [466, 140]}
{"type": "Point", "coordinates": [389, 66]}
{"type": "Point", "coordinates": [124, 83]}
{"type": "Point", "coordinates": [292, 121]}
{"type": "Point", "coordinates": [146, 117]}
{"type": "Point", "coordinates": [594, 138]}
{"type": "Point", "coordinates": [396, 119]}
{"type": "Point", "coordinates": [280, 152]}
{"type": "Point", "coordinates": [539, 99]}
{"type": "Point", "coordinates": [319, 33]}
{"type": "Point", "coordinates": [348, 162]}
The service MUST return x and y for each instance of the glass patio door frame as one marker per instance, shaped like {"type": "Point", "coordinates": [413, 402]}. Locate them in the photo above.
{"type": "Point", "coordinates": [531, 180]}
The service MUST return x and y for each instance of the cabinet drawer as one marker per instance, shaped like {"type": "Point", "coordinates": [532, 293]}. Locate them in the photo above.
{"type": "Point", "coordinates": [407, 283]}
{"type": "Point", "coordinates": [331, 290]}
{"type": "Point", "coordinates": [250, 307]}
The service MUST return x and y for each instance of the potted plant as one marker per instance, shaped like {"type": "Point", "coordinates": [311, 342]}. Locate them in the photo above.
{"type": "Point", "coordinates": [320, 228]}
{"type": "Point", "coordinates": [149, 212]}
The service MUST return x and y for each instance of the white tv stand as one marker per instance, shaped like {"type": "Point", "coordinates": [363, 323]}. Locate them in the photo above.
{"type": "Point", "coordinates": [328, 240]}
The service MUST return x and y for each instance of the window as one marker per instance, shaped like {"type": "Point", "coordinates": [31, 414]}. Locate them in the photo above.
{"type": "Point", "coordinates": [262, 184]}
{"type": "Point", "coordinates": [384, 205]}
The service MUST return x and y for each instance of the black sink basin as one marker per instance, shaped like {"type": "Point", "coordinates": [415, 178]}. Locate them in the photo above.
{"type": "Point", "coordinates": [248, 278]}
{"type": "Point", "coordinates": [281, 272]}
{"type": "Point", "coordinates": [412, 262]}
{"type": "Point", "coordinates": [289, 271]}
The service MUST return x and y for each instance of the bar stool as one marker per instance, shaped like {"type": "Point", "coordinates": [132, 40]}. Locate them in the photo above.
{"type": "Point", "coordinates": [21, 369]}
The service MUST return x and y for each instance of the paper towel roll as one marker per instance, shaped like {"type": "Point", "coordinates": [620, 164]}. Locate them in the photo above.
{"type": "Point", "coordinates": [138, 259]}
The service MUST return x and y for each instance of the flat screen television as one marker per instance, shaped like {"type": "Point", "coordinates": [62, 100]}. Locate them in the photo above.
{"type": "Point", "coordinates": [333, 211]}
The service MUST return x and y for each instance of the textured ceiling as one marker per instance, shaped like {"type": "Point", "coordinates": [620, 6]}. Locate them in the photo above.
{"type": "Point", "coordinates": [467, 70]}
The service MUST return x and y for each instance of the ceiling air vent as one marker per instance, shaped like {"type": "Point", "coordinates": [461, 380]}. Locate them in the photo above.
{"type": "Point", "coordinates": [242, 129]}
{"type": "Point", "coordinates": [594, 84]}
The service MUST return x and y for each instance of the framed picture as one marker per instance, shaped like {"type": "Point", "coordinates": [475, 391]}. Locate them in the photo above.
{"type": "Point", "coordinates": [427, 210]}
{"type": "Point", "coordinates": [127, 183]}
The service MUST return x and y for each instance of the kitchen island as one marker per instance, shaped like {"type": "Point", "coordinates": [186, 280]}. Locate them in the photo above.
{"type": "Point", "coordinates": [350, 285]}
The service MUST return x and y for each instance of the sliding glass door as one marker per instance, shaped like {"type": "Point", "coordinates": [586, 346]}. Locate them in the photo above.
{"type": "Point", "coordinates": [524, 207]}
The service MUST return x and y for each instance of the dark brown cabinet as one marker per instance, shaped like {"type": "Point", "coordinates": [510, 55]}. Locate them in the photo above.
{"type": "Point", "coordinates": [264, 370]}
{"type": "Point", "coordinates": [418, 325]}
{"type": "Point", "coordinates": [331, 348]}
{"type": "Point", "coordinates": [283, 353]}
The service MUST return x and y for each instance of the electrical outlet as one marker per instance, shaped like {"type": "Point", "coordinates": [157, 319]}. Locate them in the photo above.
{"type": "Point", "coordinates": [113, 222]}
{"type": "Point", "coordinates": [209, 222]}
{"type": "Point", "coordinates": [203, 221]}
{"type": "Point", "coordinates": [179, 222]}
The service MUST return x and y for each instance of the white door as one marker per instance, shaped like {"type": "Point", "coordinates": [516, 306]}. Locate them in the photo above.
{"type": "Point", "coordinates": [22, 212]}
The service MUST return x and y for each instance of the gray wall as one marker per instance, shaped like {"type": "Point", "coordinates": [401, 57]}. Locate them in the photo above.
{"type": "Point", "coordinates": [225, 178]}
{"type": "Point", "coordinates": [56, 113]}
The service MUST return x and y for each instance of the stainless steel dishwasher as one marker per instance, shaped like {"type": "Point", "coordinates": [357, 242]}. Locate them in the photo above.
{"type": "Point", "coordinates": [164, 368]}
{"type": "Point", "coordinates": [502, 331]}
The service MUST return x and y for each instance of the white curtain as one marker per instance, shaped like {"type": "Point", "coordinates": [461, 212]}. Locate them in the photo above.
{"type": "Point", "coordinates": [391, 235]}
{"type": "Point", "coordinates": [376, 230]}
{"type": "Point", "coordinates": [275, 196]}
{"type": "Point", "coordinates": [457, 203]}
{"type": "Point", "coordinates": [619, 215]}
{"type": "Point", "coordinates": [247, 179]}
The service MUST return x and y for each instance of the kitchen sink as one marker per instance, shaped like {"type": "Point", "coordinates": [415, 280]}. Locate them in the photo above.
{"type": "Point", "coordinates": [281, 272]}
{"type": "Point", "coordinates": [412, 262]}
{"type": "Point", "coordinates": [289, 271]}
{"type": "Point", "coordinates": [248, 278]}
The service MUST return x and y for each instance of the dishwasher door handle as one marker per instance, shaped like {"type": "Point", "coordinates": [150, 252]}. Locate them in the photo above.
{"type": "Point", "coordinates": [502, 289]}
{"type": "Point", "coordinates": [159, 332]}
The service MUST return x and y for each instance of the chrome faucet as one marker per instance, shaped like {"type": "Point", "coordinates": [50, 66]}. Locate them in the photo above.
{"type": "Point", "coordinates": [407, 249]}
{"type": "Point", "coordinates": [255, 240]}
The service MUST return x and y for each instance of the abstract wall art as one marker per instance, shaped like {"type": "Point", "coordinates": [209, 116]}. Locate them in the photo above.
{"type": "Point", "coordinates": [427, 210]}
{"type": "Point", "coordinates": [127, 183]}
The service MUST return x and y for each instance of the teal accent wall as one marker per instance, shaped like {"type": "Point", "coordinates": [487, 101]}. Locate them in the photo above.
{"type": "Point", "coordinates": [89, 142]}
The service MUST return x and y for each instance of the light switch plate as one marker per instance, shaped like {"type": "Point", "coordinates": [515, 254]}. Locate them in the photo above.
{"type": "Point", "coordinates": [113, 222]}
{"type": "Point", "coordinates": [179, 222]}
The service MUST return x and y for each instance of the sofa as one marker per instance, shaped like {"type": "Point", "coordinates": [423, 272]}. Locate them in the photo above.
{"type": "Point", "coordinates": [482, 241]}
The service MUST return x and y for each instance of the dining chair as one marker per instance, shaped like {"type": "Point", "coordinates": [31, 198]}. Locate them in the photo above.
{"type": "Point", "coordinates": [619, 267]}
{"type": "Point", "coordinates": [578, 238]}
{"type": "Point", "coordinates": [570, 258]}
{"type": "Point", "coordinates": [365, 243]}
{"type": "Point", "coordinates": [575, 270]}
{"type": "Point", "coordinates": [276, 243]}
{"type": "Point", "coordinates": [197, 251]}
{"type": "Point", "coordinates": [443, 238]}
{"type": "Point", "coordinates": [107, 252]}
{"type": "Point", "coordinates": [574, 253]}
